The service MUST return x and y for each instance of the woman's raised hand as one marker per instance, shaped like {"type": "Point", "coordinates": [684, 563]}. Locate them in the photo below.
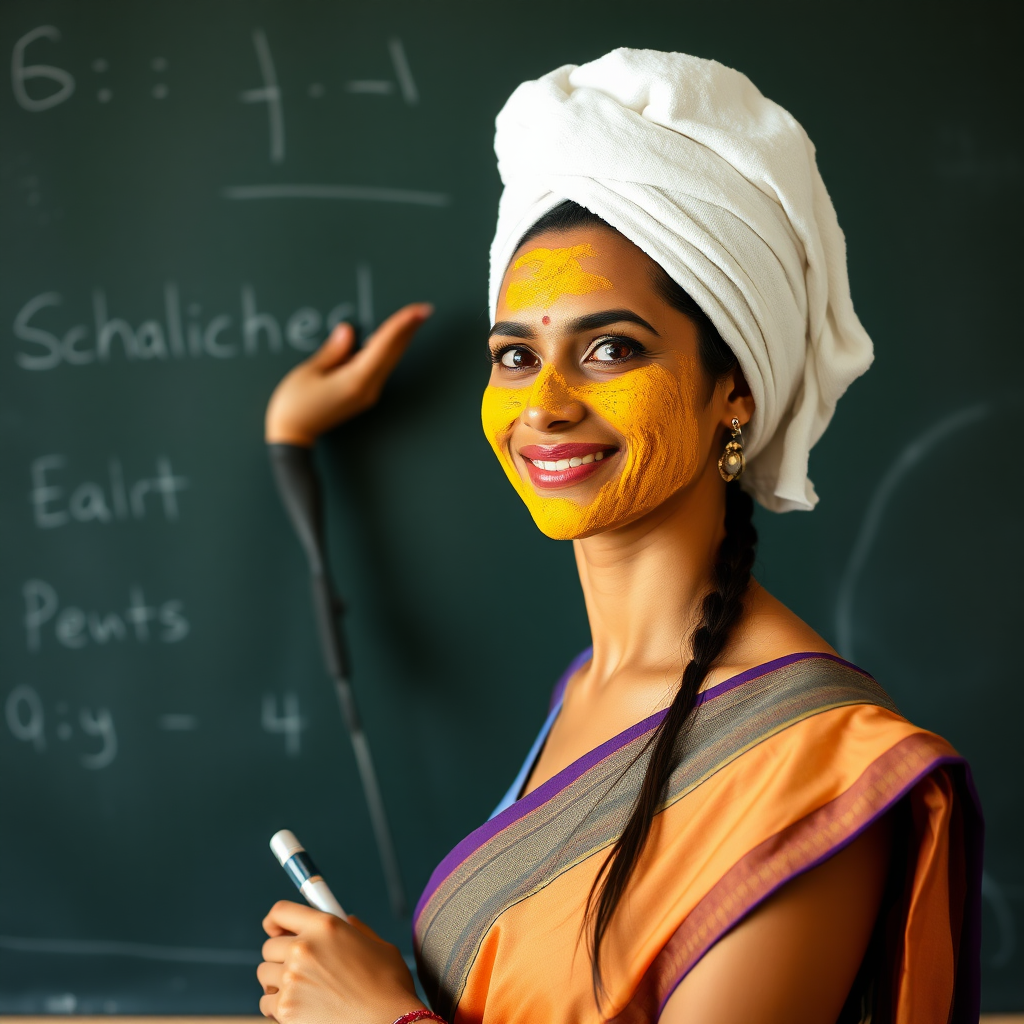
{"type": "Point", "coordinates": [335, 383]}
{"type": "Point", "coordinates": [319, 969]}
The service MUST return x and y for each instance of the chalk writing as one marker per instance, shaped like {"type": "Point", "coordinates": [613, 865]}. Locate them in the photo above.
{"type": "Point", "coordinates": [179, 333]}
{"type": "Point", "coordinates": [403, 72]}
{"type": "Point", "coordinates": [384, 86]}
{"type": "Point", "coordinates": [99, 724]}
{"type": "Point", "coordinates": [896, 475]}
{"type": "Point", "coordinates": [27, 722]}
{"type": "Point", "coordinates": [361, 193]}
{"type": "Point", "coordinates": [289, 723]}
{"type": "Point", "coordinates": [24, 713]}
{"type": "Point", "coordinates": [74, 628]}
{"type": "Point", "coordinates": [22, 73]}
{"type": "Point", "coordinates": [115, 499]}
{"type": "Point", "coordinates": [269, 93]}
{"type": "Point", "coordinates": [25, 717]}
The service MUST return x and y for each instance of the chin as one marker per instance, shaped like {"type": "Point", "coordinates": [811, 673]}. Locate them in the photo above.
{"type": "Point", "coordinates": [557, 533]}
{"type": "Point", "coordinates": [583, 528]}
{"type": "Point", "coordinates": [561, 518]}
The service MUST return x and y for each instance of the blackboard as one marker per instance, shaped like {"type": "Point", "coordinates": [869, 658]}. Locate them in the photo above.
{"type": "Point", "coordinates": [190, 192]}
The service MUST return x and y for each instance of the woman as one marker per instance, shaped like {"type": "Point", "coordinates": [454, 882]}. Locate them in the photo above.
{"type": "Point", "coordinates": [721, 820]}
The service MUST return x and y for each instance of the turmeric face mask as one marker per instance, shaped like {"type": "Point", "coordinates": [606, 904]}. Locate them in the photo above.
{"type": "Point", "coordinates": [550, 274]}
{"type": "Point", "coordinates": [590, 439]}
{"type": "Point", "coordinates": [651, 410]}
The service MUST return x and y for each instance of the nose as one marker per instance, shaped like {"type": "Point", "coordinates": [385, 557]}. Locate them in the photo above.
{"type": "Point", "coordinates": [551, 406]}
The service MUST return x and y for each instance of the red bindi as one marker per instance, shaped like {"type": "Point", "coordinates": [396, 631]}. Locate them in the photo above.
{"type": "Point", "coordinates": [546, 320]}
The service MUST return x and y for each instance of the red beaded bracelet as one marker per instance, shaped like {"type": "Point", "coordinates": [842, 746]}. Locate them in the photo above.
{"type": "Point", "coordinates": [413, 1015]}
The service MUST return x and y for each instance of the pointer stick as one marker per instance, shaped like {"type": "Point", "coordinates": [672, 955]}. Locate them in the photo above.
{"type": "Point", "coordinates": [299, 487]}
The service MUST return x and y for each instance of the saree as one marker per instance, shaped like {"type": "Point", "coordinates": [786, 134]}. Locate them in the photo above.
{"type": "Point", "coordinates": [780, 768]}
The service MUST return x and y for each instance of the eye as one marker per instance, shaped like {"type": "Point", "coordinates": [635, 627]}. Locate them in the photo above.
{"type": "Point", "coordinates": [614, 350]}
{"type": "Point", "coordinates": [514, 357]}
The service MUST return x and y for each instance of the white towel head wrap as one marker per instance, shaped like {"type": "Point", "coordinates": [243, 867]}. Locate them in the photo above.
{"type": "Point", "coordinates": [719, 186]}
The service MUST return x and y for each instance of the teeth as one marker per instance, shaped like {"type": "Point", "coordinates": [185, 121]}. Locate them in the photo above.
{"type": "Point", "coordinates": [564, 464]}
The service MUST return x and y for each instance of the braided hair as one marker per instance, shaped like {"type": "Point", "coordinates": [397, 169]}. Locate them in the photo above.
{"type": "Point", "coordinates": [720, 610]}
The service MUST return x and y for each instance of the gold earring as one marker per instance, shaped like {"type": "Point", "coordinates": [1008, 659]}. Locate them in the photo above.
{"type": "Point", "coordinates": [732, 463]}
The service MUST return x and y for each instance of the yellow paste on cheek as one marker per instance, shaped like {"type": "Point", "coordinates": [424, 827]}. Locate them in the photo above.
{"type": "Point", "coordinates": [552, 273]}
{"type": "Point", "coordinates": [653, 408]}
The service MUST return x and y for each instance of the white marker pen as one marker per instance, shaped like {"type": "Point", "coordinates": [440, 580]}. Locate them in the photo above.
{"type": "Point", "coordinates": [292, 856]}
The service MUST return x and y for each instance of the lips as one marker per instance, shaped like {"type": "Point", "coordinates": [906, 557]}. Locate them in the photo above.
{"type": "Point", "coordinates": [563, 465]}
{"type": "Point", "coordinates": [554, 452]}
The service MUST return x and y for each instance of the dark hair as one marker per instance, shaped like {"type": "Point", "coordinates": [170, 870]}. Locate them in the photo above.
{"type": "Point", "coordinates": [720, 609]}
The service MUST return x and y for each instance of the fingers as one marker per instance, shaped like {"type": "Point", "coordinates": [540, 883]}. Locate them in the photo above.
{"type": "Point", "coordinates": [335, 350]}
{"type": "Point", "coordinates": [286, 918]}
{"type": "Point", "coordinates": [374, 362]}
{"type": "Point", "coordinates": [336, 382]}
{"type": "Point", "coordinates": [268, 1005]}
{"type": "Point", "coordinates": [275, 950]}
{"type": "Point", "coordinates": [269, 976]}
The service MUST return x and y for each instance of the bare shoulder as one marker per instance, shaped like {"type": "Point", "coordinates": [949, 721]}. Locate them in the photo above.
{"type": "Point", "coordinates": [768, 630]}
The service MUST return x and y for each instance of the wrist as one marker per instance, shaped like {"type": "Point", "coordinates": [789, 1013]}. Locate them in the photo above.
{"type": "Point", "coordinates": [275, 434]}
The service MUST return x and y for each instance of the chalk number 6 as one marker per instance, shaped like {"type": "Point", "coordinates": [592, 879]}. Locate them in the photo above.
{"type": "Point", "coordinates": [22, 72]}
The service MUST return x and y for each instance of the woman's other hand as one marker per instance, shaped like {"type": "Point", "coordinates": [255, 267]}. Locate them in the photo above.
{"type": "Point", "coordinates": [318, 969]}
{"type": "Point", "coordinates": [336, 383]}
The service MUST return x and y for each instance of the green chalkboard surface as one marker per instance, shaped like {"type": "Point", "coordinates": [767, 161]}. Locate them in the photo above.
{"type": "Point", "coordinates": [190, 194]}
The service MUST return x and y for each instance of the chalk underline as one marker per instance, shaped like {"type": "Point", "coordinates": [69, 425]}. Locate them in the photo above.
{"type": "Point", "coordinates": [141, 950]}
{"type": "Point", "coordinates": [364, 193]}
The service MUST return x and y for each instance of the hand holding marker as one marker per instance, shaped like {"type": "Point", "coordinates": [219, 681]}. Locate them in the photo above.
{"type": "Point", "coordinates": [292, 856]}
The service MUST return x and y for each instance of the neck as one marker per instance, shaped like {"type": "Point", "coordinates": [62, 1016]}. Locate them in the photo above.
{"type": "Point", "coordinates": [643, 582]}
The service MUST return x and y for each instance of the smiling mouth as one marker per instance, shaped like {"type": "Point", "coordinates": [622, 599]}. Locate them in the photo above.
{"type": "Point", "coordinates": [563, 465]}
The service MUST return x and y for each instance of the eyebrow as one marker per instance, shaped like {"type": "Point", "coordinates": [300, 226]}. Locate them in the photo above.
{"type": "Point", "coordinates": [588, 322]}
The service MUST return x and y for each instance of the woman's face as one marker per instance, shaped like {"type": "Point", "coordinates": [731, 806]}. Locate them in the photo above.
{"type": "Point", "coordinates": [596, 405]}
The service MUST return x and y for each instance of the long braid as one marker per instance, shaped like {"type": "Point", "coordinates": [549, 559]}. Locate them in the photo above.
{"type": "Point", "coordinates": [721, 608]}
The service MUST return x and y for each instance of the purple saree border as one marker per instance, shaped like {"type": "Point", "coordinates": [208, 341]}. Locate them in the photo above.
{"type": "Point", "coordinates": [712, 691]}
{"type": "Point", "coordinates": [966, 999]}
{"type": "Point", "coordinates": [762, 670]}
{"type": "Point", "coordinates": [568, 775]}
{"type": "Point", "coordinates": [489, 829]}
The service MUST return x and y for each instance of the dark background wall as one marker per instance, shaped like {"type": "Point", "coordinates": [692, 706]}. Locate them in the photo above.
{"type": "Point", "coordinates": [164, 708]}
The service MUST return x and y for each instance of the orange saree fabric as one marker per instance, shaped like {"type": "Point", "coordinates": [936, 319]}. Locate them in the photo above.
{"type": "Point", "coordinates": [781, 767]}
